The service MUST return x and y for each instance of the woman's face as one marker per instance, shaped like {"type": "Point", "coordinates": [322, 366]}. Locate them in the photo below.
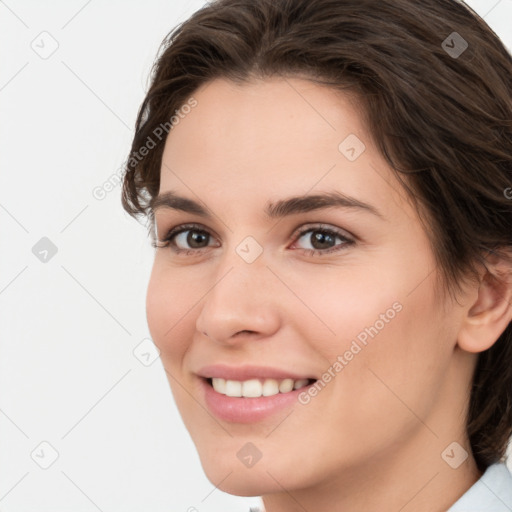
{"type": "Point", "coordinates": [266, 288]}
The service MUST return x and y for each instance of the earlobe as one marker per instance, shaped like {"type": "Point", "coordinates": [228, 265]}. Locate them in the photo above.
{"type": "Point", "coordinates": [489, 315]}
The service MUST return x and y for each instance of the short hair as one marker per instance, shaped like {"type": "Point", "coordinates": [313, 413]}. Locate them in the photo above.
{"type": "Point", "coordinates": [434, 86]}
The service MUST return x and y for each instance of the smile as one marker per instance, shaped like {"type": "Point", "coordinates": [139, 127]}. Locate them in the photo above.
{"type": "Point", "coordinates": [254, 388]}
{"type": "Point", "coordinates": [252, 400]}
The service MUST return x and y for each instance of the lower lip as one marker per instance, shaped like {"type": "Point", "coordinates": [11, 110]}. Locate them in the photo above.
{"type": "Point", "coordinates": [247, 410]}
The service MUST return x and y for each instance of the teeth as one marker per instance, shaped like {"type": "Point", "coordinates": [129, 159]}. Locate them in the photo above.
{"type": "Point", "coordinates": [300, 383]}
{"type": "Point", "coordinates": [255, 388]}
{"type": "Point", "coordinates": [286, 386]}
{"type": "Point", "coordinates": [270, 387]}
{"type": "Point", "coordinates": [219, 385]}
{"type": "Point", "coordinates": [251, 388]}
{"type": "Point", "coordinates": [233, 388]}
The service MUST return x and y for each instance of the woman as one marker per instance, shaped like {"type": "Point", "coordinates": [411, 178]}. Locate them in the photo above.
{"type": "Point", "coordinates": [328, 189]}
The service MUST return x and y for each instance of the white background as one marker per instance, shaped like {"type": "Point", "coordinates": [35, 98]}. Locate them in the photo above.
{"type": "Point", "coordinates": [68, 375]}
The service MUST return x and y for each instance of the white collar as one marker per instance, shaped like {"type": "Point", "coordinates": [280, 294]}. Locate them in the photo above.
{"type": "Point", "coordinates": [491, 493]}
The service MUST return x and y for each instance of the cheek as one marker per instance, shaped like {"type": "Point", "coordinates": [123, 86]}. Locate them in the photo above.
{"type": "Point", "coordinates": [339, 304]}
{"type": "Point", "coordinates": [394, 363]}
{"type": "Point", "coordinates": [385, 322]}
{"type": "Point", "coordinates": [168, 310]}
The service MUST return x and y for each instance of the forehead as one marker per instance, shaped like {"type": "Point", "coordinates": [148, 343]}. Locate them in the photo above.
{"type": "Point", "coordinates": [273, 135]}
{"type": "Point", "coordinates": [281, 114]}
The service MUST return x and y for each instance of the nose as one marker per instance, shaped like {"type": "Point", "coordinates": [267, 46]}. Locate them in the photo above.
{"type": "Point", "coordinates": [242, 301]}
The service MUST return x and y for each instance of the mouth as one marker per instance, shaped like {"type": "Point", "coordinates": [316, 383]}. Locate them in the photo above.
{"type": "Point", "coordinates": [256, 388]}
{"type": "Point", "coordinates": [253, 400]}
{"type": "Point", "coordinates": [251, 393]}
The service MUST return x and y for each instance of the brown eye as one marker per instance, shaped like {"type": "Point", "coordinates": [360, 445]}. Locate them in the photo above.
{"type": "Point", "coordinates": [194, 239]}
{"type": "Point", "coordinates": [186, 238]}
{"type": "Point", "coordinates": [321, 240]}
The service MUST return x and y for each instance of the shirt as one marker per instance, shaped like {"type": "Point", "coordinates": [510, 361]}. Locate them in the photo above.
{"type": "Point", "coordinates": [491, 493]}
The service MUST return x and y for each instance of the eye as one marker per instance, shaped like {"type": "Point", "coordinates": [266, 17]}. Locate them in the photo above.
{"type": "Point", "coordinates": [322, 240]}
{"type": "Point", "coordinates": [192, 239]}
{"type": "Point", "coordinates": [186, 237]}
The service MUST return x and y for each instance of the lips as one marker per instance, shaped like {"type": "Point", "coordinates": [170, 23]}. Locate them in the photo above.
{"type": "Point", "coordinates": [249, 394]}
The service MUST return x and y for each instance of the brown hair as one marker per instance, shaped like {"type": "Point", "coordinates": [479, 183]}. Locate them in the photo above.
{"type": "Point", "coordinates": [440, 113]}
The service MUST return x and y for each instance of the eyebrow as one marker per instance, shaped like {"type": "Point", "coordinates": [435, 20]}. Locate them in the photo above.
{"type": "Point", "coordinates": [273, 210]}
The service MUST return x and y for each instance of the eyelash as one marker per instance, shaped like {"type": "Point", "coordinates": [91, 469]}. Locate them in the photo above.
{"type": "Point", "coordinates": [168, 241]}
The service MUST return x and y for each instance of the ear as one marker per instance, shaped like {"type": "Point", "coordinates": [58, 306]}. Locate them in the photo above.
{"type": "Point", "coordinates": [490, 314]}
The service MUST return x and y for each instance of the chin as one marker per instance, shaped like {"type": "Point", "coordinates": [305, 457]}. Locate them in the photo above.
{"type": "Point", "coordinates": [230, 475]}
{"type": "Point", "coordinates": [241, 481]}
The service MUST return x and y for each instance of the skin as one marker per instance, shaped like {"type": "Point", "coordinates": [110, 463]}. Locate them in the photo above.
{"type": "Point", "coordinates": [373, 437]}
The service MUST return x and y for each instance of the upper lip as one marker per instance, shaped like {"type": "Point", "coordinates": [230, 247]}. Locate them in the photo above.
{"type": "Point", "coordinates": [247, 372]}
